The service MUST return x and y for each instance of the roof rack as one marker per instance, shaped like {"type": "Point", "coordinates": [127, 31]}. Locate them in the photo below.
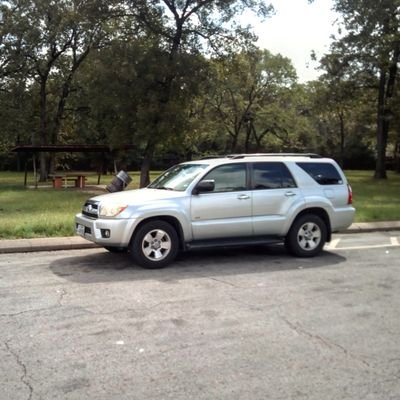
{"type": "Point", "coordinates": [310, 155]}
{"type": "Point", "coordinates": [238, 156]}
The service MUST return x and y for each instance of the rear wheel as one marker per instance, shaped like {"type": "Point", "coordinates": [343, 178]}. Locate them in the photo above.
{"type": "Point", "coordinates": [307, 236]}
{"type": "Point", "coordinates": [154, 245]}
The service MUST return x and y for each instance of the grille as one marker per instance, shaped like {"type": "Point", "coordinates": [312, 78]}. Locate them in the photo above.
{"type": "Point", "coordinates": [91, 209]}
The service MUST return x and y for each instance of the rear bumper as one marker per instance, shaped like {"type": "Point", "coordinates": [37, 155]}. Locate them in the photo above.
{"type": "Point", "coordinates": [343, 218]}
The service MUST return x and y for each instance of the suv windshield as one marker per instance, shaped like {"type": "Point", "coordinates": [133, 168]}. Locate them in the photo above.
{"type": "Point", "coordinates": [178, 177]}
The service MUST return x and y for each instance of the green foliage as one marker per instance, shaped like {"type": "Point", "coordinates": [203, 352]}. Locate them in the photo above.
{"type": "Point", "coordinates": [197, 26]}
{"type": "Point", "coordinates": [341, 112]}
{"type": "Point", "coordinates": [181, 78]}
{"type": "Point", "coordinates": [46, 42]}
{"type": "Point", "coordinates": [368, 53]}
{"type": "Point", "coordinates": [252, 102]}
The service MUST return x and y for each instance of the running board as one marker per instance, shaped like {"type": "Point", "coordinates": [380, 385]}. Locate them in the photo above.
{"type": "Point", "coordinates": [228, 242]}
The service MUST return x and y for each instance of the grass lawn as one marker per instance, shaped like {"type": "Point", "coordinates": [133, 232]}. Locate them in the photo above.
{"type": "Point", "coordinates": [45, 212]}
{"type": "Point", "coordinates": [375, 200]}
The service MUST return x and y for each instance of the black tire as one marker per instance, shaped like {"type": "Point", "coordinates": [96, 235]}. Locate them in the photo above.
{"type": "Point", "coordinates": [113, 249]}
{"type": "Point", "coordinates": [154, 245]}
{"type": "Point", "coordinates": [307, 236]}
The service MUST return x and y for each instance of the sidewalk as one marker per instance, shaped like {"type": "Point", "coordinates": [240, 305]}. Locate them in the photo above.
{"type": "Point", "coordinates": [76, 242]}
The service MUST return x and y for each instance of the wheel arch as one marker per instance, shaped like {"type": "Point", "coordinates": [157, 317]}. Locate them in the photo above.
{"type": "Point", "coordinates": [320, 212]}
{"type": "Point", "coordinates": [174, 222]}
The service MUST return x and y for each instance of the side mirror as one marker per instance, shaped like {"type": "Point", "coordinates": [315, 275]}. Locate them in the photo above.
{"type": "Point", "coordinates": [204, 186]}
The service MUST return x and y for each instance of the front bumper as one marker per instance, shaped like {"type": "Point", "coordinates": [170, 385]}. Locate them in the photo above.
{"type": "Point", "coordinates": [105, 232]}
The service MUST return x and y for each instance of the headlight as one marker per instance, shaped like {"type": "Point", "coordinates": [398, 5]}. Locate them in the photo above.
{"type": "Point", "coordinates": [109, 210]}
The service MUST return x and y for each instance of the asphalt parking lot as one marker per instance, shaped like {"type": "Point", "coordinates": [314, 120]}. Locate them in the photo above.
{"type": "Point", "coordinates": [247, 323]}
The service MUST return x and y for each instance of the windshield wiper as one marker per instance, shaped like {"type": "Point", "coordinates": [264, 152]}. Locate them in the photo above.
{"type": "Point", "coordinates": [164, 188]}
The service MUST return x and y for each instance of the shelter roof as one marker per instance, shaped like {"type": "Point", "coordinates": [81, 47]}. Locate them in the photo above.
{"type": "Point", "coordinates": [68, 148]}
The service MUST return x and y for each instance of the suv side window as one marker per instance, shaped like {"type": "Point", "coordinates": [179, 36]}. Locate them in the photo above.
{"type": "Point", "coordinates": [228, 178]}
{"type": "Point", "coordinates": [272, 175]}
{"type": "Point", "coordinates": [323, 173]}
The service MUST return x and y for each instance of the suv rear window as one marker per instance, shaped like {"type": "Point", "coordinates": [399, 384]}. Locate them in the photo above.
{"type": "Point", "coordinates": [323, 173]}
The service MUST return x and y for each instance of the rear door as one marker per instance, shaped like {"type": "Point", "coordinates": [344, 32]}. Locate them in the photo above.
{"type": "Point", "coordinates": [332, 184]}
{"type": "Point", "coordinates": [274, 194]}
{"type": "Point", "coordinates": [227, 211]}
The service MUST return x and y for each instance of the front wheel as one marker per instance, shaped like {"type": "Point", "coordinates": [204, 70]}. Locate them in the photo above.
{"type": "Point", "coordinates": [307, 236]}
{"type": "Point", "coordinates": [154, 245]}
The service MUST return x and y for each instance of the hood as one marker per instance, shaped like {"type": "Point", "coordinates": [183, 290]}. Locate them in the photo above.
{"type": "Point", "coordinates": [137, 196]}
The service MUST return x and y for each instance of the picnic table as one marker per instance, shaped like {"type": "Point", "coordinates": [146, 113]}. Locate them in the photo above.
{"type": "Point", "coordinates": [61, 179]}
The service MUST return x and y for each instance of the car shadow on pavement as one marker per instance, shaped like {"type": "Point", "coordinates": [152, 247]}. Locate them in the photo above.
{"type": "Point", "coordinates": [99, 265]}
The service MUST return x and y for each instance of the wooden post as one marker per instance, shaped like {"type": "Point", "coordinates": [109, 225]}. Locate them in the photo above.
{"type": "Point", "coordinates": [34, 170]}
{"type": "Point", "coordinates": [26, 173]}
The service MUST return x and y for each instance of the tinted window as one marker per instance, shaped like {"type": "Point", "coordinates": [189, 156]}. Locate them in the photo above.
{"type": "Point", "coordinates": [228, 178]}
{"type": "Point", "coordinates": [323, 173]}
{"type": "Point", "coordinates": [272, 175]}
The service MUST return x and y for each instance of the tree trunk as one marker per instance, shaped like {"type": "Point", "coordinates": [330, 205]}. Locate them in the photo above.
{"type": "Point", "coordinates": [381, 134]}
{"type": "Point", "coordinates": [248, 136]}
{"type": "Point", "coordinates": [397, 157]}
{"type": "Point", "coordinates": [57, 120]}
{"type": "Point", "coordinates": [146, 164]}
{"type": "Point", "coordinates": [386, 91]}
{"type": "Point", "coordinates": [258, 139]}
{"type": "Point", "coordinates": [235, 137]}
{"type": "Point", "coordinates": [233, 146]}
{"type": "Point", "coordinates": [43, 128]}
{"type": "Point", "coordinates": [342, 139]}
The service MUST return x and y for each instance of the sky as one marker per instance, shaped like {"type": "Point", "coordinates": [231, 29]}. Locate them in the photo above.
{"type": "Point", "coordinates": [295, 30]}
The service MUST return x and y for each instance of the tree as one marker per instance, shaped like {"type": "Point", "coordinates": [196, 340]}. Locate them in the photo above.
{"type": "Point", "coordinates": [250, 99]}
{"type": "Point", "coordinates": [184, 27]}
{"type": "Point", "coordinates": [17, 119]}
{"type": "Point", "coordinates": [336, 99]}
{"type": "Point", "coordinates": [51, 39]}
{"type": "Point", "coordinates": [371, 47]}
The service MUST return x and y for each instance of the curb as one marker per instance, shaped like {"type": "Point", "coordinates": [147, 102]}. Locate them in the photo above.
{"type": "Point", "coordinates": [45, 244]}
{"type": "Point", "coordinates": [364, 227]}
{"type": "Point", "coordinates": [78, 243]}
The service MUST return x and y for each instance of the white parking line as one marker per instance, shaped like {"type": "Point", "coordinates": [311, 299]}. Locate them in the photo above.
{"type": "Point", "coordinates": [394, 242]}
{"type": "Point", "coordinates": [332, 244]}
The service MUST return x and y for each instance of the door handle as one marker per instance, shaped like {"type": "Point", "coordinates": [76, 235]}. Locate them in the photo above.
{"type": "Point", "coordinates": [243, 197]}
{"type": "Point", "coordinates": [290, 194]}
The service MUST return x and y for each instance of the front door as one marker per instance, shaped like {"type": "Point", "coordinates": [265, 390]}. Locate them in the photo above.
{"type": "Point", "coordinates": [225, 212]}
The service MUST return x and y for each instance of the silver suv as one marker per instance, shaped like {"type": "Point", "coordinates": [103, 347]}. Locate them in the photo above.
{"type": "Point", "coordinates": [298, 199]}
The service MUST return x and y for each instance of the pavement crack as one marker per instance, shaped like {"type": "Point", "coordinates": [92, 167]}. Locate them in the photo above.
{"type": "Point", "coordinates": [61, 293]}
{"type": "Point", "coordinates": [248, 305]}
{"type": "Point", "coordinates": [226, 282]}
{"type": "Point", "coordinates": [124, 310]}
{"type": "Point", "coordinates": [324, 341]}
{"type": "Point", "coordinates": [34, 310]}
{"type": "Point", "coordinates": [24, 376]}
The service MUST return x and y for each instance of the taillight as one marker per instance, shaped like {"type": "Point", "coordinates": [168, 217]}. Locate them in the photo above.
{"type": "Point", "coordinates": [350, 195]}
